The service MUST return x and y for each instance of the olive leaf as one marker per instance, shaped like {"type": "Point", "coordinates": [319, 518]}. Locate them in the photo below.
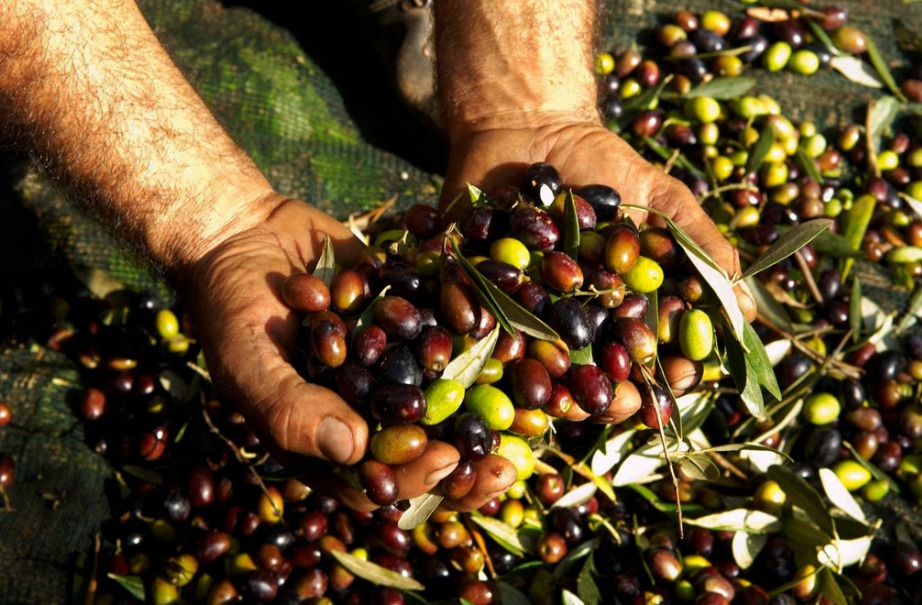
{"type": "Point", "coordinates": [833, 245]}
{"type": "Point", "coordinates": [745, 377]}
{"type": "Point", "coordinates": [760, 150]}
{"type": "Point", "coordinates": [326, 264]}
{"type": "Point", "coordinates": [722, 89]}
{"type": "Point", "coordinates": [509, 314]}
{"type": "Point", "coordinates": [143, 473]}
{"type": "Point", "coordinates": [605, 458]}
{"type": "Point", "coordinates": [840, 496]}
{"type": "Point", "coordinates": [699, 466]}
{"type": "Point", "coordinates": [913, 310]}
{"type": "Point", "coordinates": [854, 309]}
{"type": "Point", "coordinates": [881, 113]}
{"type": "Point", "coordinates": [569, 598]}
{"type": "Point", "coordinates": [880, 66]}
{"type": "Point", "coordinates": [570, 232]}
{"type": "Point", "coordinates": [758, 361]}
{"type": "Point", "coordinates": [820, 34]}
{"type": "Point", "coordinates": [803, 496]}
{"type": "Point", "coordinates": [467, 366]}
{"type": "Point", "coordinates": [641, 466]}
{"type": "Point", "coordinates": [787, 244]}
{"type": "Point", "coordinates": [808, 165]}
{"type": "Point", "coordinates": [666, 155]}
{"type": "Point", "coordinates": [830, 588]}
{"type": "Point", "coordinates": [510, 595]}
{"type": "Point", "coordinates": [746, 547]}
{"type": "Point", "coordinates": [710, 271]}
{"type": "Point", "coordinates": [477, 197]}
{"type": "Point", "coordinates": [645, 99]}
{"type": "Point", "coordinates": [586, 586]}
{"type": "Point", "coordinates": [582, 356]}
{"type": "Point", "coordinates": [133, 584]}
{"type": "Point", "coordinates": [421, 507]}
{"type": "Point", "coordinates": [739, 520]}
{"type": "Point", "coordinates": [177, 386]}
{"type": "Point", "coordinates": [577, 496]}
{"type": "Point", "coordinates": [768, 307]}
{"type": "Point", "coordinates": [368, 315]}
{"type": "Point", "coordinates": [374, 573]}
{"type": "Point", "coordinates": [856, 224]}
{"type": "Point", "coordinates": [502, 533]}
{"type": "Point", "coordinates": [856, 71]}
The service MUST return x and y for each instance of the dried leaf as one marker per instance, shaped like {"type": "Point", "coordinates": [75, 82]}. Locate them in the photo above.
{"type": "Point", "coordinates": [881, 113]}
{"type": "Point", "coordinates": [326, 264]}
{"type": "Point", "coordinates": [467, 366]}
{"type": "Point", "coordinates": [133, 584]}
{"type": "Point", "coordinates": [746, 548]}
{"type": "Point", "coordinates": [840, 496]}
{"type": "Point", "coordinates": [421, 507]}
{"type": "Point", "coordinates": [760, 150]}
{"type": "Point", "coordinates": [99, 282]}
{"type": "Point", "coordinates": [723, 89]}
{"type": "Point", "coordinates": [803, 496]}
{"type": "Point", "coordinates": [503, 534]}
{"type": "Point", "coordinates": [856, 71]}
{"type": "Point", "coordinates": [374, 573]}
{"type": "Point", "coordinates": [788, 243]}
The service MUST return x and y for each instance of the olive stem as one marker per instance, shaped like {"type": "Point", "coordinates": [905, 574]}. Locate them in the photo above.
{"type": "Point", "coordinates": [808, 277]}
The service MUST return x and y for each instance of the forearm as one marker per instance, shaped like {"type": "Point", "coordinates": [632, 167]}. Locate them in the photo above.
{"type": "Point", "coordinates": [512, 63]}
{"type": "Point", "coordinates": [86, 85]}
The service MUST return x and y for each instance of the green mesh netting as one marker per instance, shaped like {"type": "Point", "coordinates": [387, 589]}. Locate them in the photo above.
{"type": "Point", "coordinates": [313, 143]}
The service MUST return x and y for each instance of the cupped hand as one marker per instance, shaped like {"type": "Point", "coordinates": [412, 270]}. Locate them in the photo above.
{"type": "Point", "coordinates": [588, 153]}
{"type": "Point", "coordinates": [249, 339]}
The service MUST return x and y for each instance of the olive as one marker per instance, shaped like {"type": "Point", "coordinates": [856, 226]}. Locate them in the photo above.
{"type": "Point", "coordinates": [551, 547]}
{"type": "Point", "coordinates": [822, 446]}
{"type": "Point", "coordinates": [561, 272]}
{"type": "Point", "coordinates": [682, 374]}
{"type": "Point", "coordinates": [633, 306]}
{"type": "Point", "coordinates": [622, 249]}
{"type": "Point", "coordinates": [696, 334]}
{"type": "Point", "coordinates": [348, 291]}
{"type": "Point", "coordinates": [591, 388]}
{"type": "Point", "coordinates": [510, 347]}
{"type": "Point", "coordinates": [529, 423]}
{"type": "Point", "coordinates": [367, 345]}
{"type": "Point", "coordinates": [433, 348]}
{"type": "Point", "coordinates": [821, 408]}
{"type": "Point", "coordinates": [508, 277]}
{"type": "Point", "coordinates": [399, 444]}
{"type": "Point", "coordinates": [398, 365]}
{"type": "Point", "coordinates": [517, 451]}
{"type": "Point", "coordinates": [852, 474]}
{"type": "Point", "coordinates": [656, 406]}
{"type": "Point", "coordinates": [491, 404]}
{"type": "Point", "coordinates": [402, 278]}
{"type": "Point", "coordinates": [609, 285]}
{"type": "Point", "coordinates": [354, 383]}
{"type": "Point", "coordinates": [671, 309]}
{"type": "Point", "coordinates": [603, 199]}
{"type": "Point", "coordinates": [379, 482]}
{"type": "Point", "coordinates": [7, 470]}
{"type": "Point", "coordinates": [443, 398]}
{"type": "Point", "coordinates": [850, 39]}
{"type": "Point", "coordinates": [422, 220]}
{"type": "Point", "coordinates": [459, 309]}
{"type": "Point", "coordinates": [586, 218]}
{"type": "Point", "coordinates": [530, 382]}
{"type": "Point", "coordinates": [644, 276]}
{"type": "Point", "coordinates": [636, 337]}
{"type": "Point", "coordinates": [398, 404]}
{"type": "Point", "coordinates": [534, 227]}
{"type": "Point", "coordinates": [305, 292]}
{"type": "Point", "coordinates": [542, 182]}
{"type": "Point", "coordinates": [460, 481]}
{"type": "Point", "coordinates": [569, 319]}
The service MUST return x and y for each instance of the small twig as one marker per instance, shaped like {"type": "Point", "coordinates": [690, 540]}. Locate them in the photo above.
{"type": "Point", "coordinates": [808, 277]}
{"type": "Point", "coordinates": [92, 585]}
{"type": "Point", "coordinates": [481, 544]}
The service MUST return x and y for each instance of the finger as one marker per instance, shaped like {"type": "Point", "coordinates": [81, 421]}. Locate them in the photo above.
{"type": "Point", "coordinates": [495, 475]}
{"type": "Point", "coordinates": [423, 474]}
{"type": "Point", "coordinates": [334, 486]}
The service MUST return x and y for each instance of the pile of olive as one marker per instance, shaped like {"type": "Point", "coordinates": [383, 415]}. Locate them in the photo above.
{"type": "Point", "coordinates": [382, 333]}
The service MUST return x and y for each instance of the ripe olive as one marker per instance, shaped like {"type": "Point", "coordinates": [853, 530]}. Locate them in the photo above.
{"type": "Point", "coordinates": [591, 388]}
{"type": "Point", "coordinates": [306, 293]}
{"type": "Point", "coordinates": [530, 382]}
{"type": "Point", "coordinates": [398, 444]}
{"type": "Point", "coordinates": [379, 482]}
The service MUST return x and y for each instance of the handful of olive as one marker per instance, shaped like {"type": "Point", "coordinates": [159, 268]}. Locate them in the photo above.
{"type": "Point", "coordinates": [538, 304]}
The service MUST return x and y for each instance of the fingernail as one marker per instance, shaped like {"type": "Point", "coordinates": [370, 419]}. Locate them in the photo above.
{"type": "Point", "coordinates": [335, 440]}
{"type": "Point", "coordinates": [437, 475]}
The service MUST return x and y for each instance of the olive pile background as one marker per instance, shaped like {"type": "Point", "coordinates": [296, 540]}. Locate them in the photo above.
{"type": "Point", "coordinates": [165, 511]}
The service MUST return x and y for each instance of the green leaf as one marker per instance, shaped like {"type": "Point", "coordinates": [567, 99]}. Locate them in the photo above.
{"type": "Point", "coordinates": [833, 245]}
{"type": "Point", "coordinates": [840, 496]}
{"type": "Point", "coordinates": [854, 309]}
{"type": "Point", "coordinates": [582, 357]}
{"type": "Point", "coordinates": [477, 197]}
{"type": "Point", "coordinates": [570, 231]}
{"type": "Point", "coordinates": [467, 366]}
{"type": "Point", "coordinates": [326, 264]}
{"type": "Point", "coordinates": [700, 467]}
{"type": "Point", "coordinates": [510, 595]}
{"type": "Point", "coordinates": [820, 34]}
{"type": "Point", "coordinates": [808, 165]}
{"type": "Point", "coordinates": [586, 586]}
{"type": "Point", "coordinates": [855, 70]}
{"type": "Point", "coordinates": [760, 150]}
{"type": "Point", "coordinates": [374, 573]}
{"type": "Point", "coordinates": [857, 220]}
{"type": "Point", "coordinates": [880, 66]}
{"type": "Point", "coordinates": [745, 379]}
{"type": "Point", "coordinates": [758, 362]}
{"type": "Point", "coordinates": [803, 496]}
{"type": "Point", "coordinates": [368, 315]}
{"type": "Point", "coordinates": [645, 98]}
{"type": "Point", "coordinates": [882, 112]}
{"type": "Point", "coordinates": [421, 507]}
{"type": "Point", "coordinates": [133, 584]}
{"type": "Point", "coordinates": [830, 588]}
{"type": "Point", "coordinates": [722, 89]}
{"type": "Point", "coordinates": [502, 533]}
{"type": "Point", "coordinates": [788, 243]}
{"type": "Point", "coordinates": [143, 473]}
{"type": "Point", "coordinates": [667, 154]}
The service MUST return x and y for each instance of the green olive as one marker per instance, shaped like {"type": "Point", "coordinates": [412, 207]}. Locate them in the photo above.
{"type": "Point", "coordinates": [777, 55]}
{"type": "Point", "coordinates": [645, 276]}
{"type": "Point", "coordinates": [511, 251]}
{"type": "Point", "coordinates": [821, 408]}
{"type": "Point", "coordinates": [492, 404]}
{"type": "Point", "coordinates": [703, 109]}
{"type": "Point", "coordinates": [443, 398]}
{"type": "Point", "coordinates": [517, 451]}
{"type": "Point", "coordinates": [852, 474]}
{"type": "Point", "coordinates": [804, 62]}
{"type": "Point", "coordinates": [167, 324]}
{"type": "Point", "coordinates": [696, 334]}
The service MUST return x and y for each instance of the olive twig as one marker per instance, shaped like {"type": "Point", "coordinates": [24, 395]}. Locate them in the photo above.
{"type": "Point", "coordinates": [808, 277]}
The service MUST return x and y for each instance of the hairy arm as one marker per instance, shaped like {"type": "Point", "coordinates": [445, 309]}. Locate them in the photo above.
{"type": "Point", "coordinates": [86, 86]}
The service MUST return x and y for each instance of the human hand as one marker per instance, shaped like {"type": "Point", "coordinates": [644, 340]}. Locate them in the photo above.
{"type": "Point", "coordinates": [588, 153]}
{"type": "Point", "coordinates": [249, 337]}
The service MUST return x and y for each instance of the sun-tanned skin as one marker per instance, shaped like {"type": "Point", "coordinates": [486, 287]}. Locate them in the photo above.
{"type": "Point", "coordinates": [86, 87]}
